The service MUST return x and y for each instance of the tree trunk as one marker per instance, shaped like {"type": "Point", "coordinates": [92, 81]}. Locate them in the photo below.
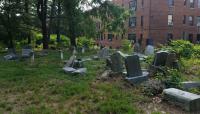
{"type": "Point", "coordinates": [58, 21]}
{"type": "Point", "coordinates": [51, 19]}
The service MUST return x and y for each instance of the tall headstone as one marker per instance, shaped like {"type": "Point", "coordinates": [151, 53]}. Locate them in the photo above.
{"type": "Point", "coordinates": [104, 53]}
{"type": "Point", "coordinates": [116, 63]}
{"type": "Point", "coordinates": [135, 75]}
{"type": "Point", "coordinates": [149, 50]}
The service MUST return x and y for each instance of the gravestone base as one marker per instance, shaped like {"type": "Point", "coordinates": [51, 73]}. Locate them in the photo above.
{"type": "Point", "coordinates": [190, 84]}
{"type": "Point", "coordinates": [186, 100]}
{"type": "Point", "coordinates": [138, 79]}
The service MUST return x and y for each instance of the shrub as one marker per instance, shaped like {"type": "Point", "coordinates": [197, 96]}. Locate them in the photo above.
{"type": "Point", "coordinates": [183, 48]}
{"type": "Point", "coordinates": [126, 45]}
{"type": "Point", "coordinates": [85, 42]}
{"type": "Point", "coordinates": [197, 51]}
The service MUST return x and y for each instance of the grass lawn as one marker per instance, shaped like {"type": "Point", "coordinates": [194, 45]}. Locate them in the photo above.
{"type": "Point", "coordinates": [43, 88]}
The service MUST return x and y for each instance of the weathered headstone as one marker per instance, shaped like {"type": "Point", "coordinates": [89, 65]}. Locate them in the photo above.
{"type": "Point", "coordinates": [135, 75]}
{"type": "Point", "coordinates": [104, 53]}
{"type": "Point", "coordinates": [172, 61]}
{"type": "Point", "coordinates": [11, 56]}
{"type": "Point", "coordinates": [137, 48]}
{"type": "Point", "coordinates": [27, 52]}
{"type": "Point", "coordinates": [160, 58]}
{"type": "Point", "coordinates": [70, 62]}
{"type": "Point", "coordinates": [190, 85]}
{"type": "Point", "coordinates": [186, 100]}
{"type": "Point", "coordinates": [149, 50]}
{"type": "Point", "coordinates": [116, 63]}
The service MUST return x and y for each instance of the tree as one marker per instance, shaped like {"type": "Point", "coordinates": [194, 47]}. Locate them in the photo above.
{"type": "Point", "coordinates": [42, 14]}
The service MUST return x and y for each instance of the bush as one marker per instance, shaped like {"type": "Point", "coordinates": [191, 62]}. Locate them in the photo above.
{"type": "Point", "coordinates": [197, 51]}
{"type": "Point", "coordinates": [126, 45]}
{"type": "Point", "coordinates": [85, 42]}
{"type": "Point", "coordinates": [183, 48]}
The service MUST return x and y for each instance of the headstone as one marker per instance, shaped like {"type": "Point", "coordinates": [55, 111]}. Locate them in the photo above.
{"type": "Point", "coordinates": [137, 48]}
{"type": "Point", "coordinates": [80, 71]}
{"type": "Point", "coordinates": [135, 75]}
{"type": "Point", "coordinates": [78, 63]}
{"type": "Point", "coordinates": [172, 61]}
{"type": "Point", "coordinates": [149, 50]}
{"type": "Point", "coordinates": [160, 58]}
{"type": "Point", "coordinates": [186, 100]}
{"type": "Point", "coordinates": [116, 63]}
{"type": "Point", "coordinates": [190, 85]}
{"type": "Point", "coordinates": [69, 69]}
{"type": "Point", "coordinates": [70, 62]}
{"type": "Point", "coordinates": [104, 53]}
{"type": "Point", "coordinates": [27, 52]}
{"type": "Point", "coordinates": [61, 55]}
{"type": "Point", "coordinates": [11, 56]}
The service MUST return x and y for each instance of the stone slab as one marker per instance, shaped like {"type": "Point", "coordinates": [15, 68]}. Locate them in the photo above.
{"type": "Point", "coordinates": [190, 85]}
{"type": "Point", "coordinates": [138, 79]}
{"type": "Point", "coordinates": [186, 100]}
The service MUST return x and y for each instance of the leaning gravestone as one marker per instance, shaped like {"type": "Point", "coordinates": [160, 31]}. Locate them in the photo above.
{"type": "Point", "coordinates": [186, 100]}
{"type": "Point", "coordinates": [135, 75]}
{"type": "Point", "coordinates": [70, 62]}
{"type": "Point", "coordinates": [116, 63]}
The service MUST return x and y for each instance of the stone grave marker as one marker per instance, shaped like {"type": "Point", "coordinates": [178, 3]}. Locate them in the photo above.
{"type": "Point", "coordinates": [160, 58]}
{"type": "Point", "coordinates": [137, 48]}
{"type": "Point", "coordinates": [104, 53]}
{"type": "Point", "coordinates": [190, 84]}
{"type": "Point", "coordinates": [116, 63]}
{"type": "Point", "coordinates": [186, 100]}
{"type": "Point", "coordinates": [149, 50]}
{"type": "Point", "coordinates": [27, 52]}
{"type": "Point", "coordinates": [135, 75]}
{"type": "Point", "coordinates": [172, 61]}
{"type": "Point", "coordinates": [70, 62]}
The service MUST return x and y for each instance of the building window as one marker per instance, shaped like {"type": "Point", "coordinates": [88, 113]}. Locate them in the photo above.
{"type": "Point", "coordinates": [198, 38]}
{"type": "Point", "coordinates": [110, 37]}
{"type": "Point", "coordinates": [141, 39]}
{"type": "Point", "coordinates": [198, 21]}
{"type": "Point", "coordinates": [191, 3]}
{"type": "Point", "coordinates": [142, 21]}
{"type": "Point", "coordinates": [132, 21]}
{"type": "Point", "coordinates": [198, 3]}
{"type": "Point", "coordinates": [171, 3]}
{"type": "Point", "coordinates": [184, 19]}
{"type": "Point", "coordinates": [142, 3]}
{"type": "Point", "coordinates": [191, 21]}
{"type": "Point", "coordinates": [170, 20]}
{"type": "Point", "coordinates": [133, 5]}
{"type": "Point", "coordinates": [132, 37]}
{"type": "Point", "coordinates": [185, 2]}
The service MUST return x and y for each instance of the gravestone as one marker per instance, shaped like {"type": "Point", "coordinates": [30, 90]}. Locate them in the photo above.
{"type": "Point", "coordinates": [11, 55]}
{"type": "Point", "coordinates": [135, 75]}
{"type": "Point", "coordinates": [137, 48]}
{"type": "Point", "coordinates": [186, 100]}
{"type": "Point", "coordinates": [160, 58]}
{"type": "Point", "coordinates": [104, 53]}
{"type": "Point", "coordinates": [149, 50]}
{"type": "Point", "coordinates": [70, 62]}
{"type": "Point", "coordinates": [190, 85]}
{"type": "Point", "coordinates": [172, 61]}
{"type": "Point", "coordinates": [27, 52]}
{"type": "Point", "coordinates": [116, 63]}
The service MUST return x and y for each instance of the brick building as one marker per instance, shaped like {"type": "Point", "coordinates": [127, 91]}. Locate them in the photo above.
{"type": "Point", "coordinates": [160, 20]}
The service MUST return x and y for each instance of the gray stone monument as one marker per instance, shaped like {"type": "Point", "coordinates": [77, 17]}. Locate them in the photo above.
{"type": "Point", "coordinates": [27, 53]}
{"type": "Point", "coordinates": [104, 53]}
{"type": "Point", "coordinates": [186, 100]}
{"type": "Point", "coordinates": [190, 85]}
{"type": "Point", "coordinates": [137, 48]}
{"type": "Point", "coordinates": [149, 50]}
{"type": "Point", "coordinates": [135, 75]}
{"type": "Point", "coordinates": [116, 63]}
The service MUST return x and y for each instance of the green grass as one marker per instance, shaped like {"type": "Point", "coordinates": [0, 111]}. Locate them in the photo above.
{"type": "Point", "coordinates": [43, 88]}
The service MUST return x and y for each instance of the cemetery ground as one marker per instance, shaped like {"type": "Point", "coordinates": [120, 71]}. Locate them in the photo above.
{"type": "Point", "coordinates": [43, 88]}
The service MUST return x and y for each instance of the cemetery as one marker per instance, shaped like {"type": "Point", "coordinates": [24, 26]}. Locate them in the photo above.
{"type": "Point", "coordinates": [100, 81]}
{"type": "Point", "coordinates": [99, 57]}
